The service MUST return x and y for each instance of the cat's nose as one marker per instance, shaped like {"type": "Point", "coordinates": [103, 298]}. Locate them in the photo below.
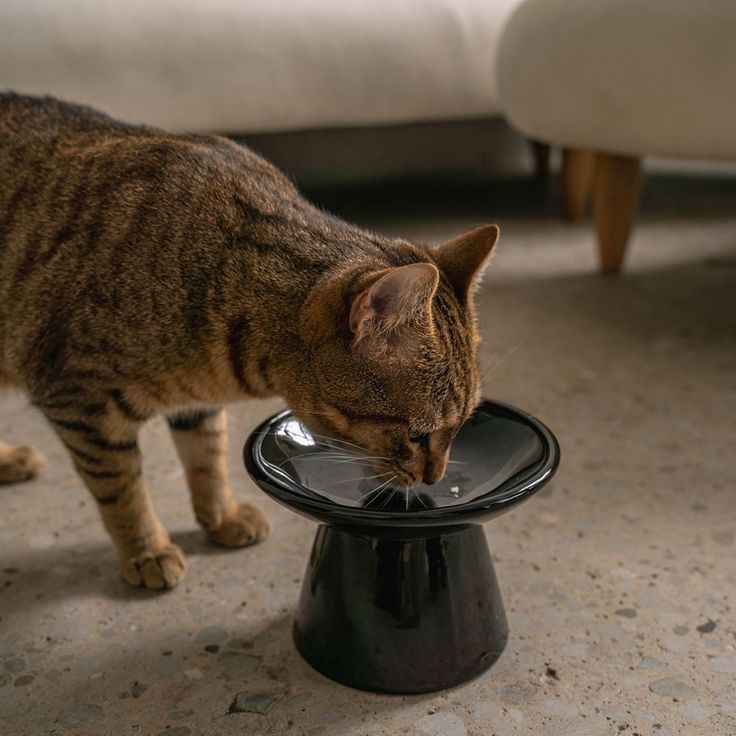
{"type": "Point", "coordinates": [434, 469]}
{"type": "Point", "coordinates": [433, 473]}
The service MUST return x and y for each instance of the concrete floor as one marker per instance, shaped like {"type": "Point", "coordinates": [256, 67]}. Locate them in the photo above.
{"type": "Point", "coordinates": [619, 579]}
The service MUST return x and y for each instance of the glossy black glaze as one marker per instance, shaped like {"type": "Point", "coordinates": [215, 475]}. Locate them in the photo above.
{"type": "Point", "coordinates": [500, 457]}
{"type": "Point", "coordinates": [400, 594]}
{"type": "Point", "coordinates": [399, 616]}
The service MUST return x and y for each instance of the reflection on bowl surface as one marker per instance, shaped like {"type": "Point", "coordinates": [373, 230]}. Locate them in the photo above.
{"type": "Point", "coordinates": [495, 450]}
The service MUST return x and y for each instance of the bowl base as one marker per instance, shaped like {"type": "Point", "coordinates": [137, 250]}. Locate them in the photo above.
{"type": "Point", "coordinates": [398, 615]}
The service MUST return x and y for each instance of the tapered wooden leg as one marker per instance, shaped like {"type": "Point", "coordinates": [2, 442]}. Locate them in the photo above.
{"type": "Point", "coordinates": [576, 180]}
{"type": "Point", "coordinates": [615, 203]}
{"type": "Point", "coordinates": [541, 152]}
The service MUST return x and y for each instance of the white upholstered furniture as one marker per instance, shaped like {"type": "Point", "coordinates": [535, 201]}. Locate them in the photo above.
{"type": "Point", "coordinates": [615, 80]}
{"type": "Point", "coordinates": [609, 80]}
{"type": "Point", "coordinates": [245, 66]}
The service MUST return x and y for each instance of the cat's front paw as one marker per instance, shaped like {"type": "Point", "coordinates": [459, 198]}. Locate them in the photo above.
{"type": "Point", "coordinates": [156, 569]}
{"type": "Point", "coordinates": [246, 525]}
{"type": "Point", "coordinates": [20, 463]}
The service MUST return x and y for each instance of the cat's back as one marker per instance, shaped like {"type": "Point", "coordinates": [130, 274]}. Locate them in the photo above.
{"type": "Point", "coordinates": [27, 117]}
{"type": "Point", "coordinates": [33, 128]}
{"type": "Point", "coordinates": [46, 133]}
{"type": "Point", "coordinates": [85, 199]}
{"type": "Point", "coordinates": [81, 193]}
{"type": "Point", "coordinates": [75, 184]}
{"type": "Point", "coordinates": [42, 138]}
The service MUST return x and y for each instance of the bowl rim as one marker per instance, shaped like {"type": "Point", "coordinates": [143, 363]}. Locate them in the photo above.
{"type": "Point", "coordinates": [300, 499]}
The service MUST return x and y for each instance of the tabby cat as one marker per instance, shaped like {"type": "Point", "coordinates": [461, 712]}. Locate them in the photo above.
{"type": "Point", "coordinates": [144, 273]}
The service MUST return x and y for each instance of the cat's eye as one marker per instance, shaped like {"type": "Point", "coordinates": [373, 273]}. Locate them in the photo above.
{"type": "Point", "coordinates": [419, 438]}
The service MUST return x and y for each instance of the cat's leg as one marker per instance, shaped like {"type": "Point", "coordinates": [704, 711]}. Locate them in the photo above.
{"type": "Point", "coordinates": [201, 441]}
{"type": "Point", "coordinates": [104, 448]}
{"type": "Point", "coordinates": [19, 463]}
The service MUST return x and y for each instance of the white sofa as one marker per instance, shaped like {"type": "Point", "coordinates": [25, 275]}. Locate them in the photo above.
{"type": "Point", "coordinates": [609, 80]}
{"type": "Point", "coordinates": [246, 66]}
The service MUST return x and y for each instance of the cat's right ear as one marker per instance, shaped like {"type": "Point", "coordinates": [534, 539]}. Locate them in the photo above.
{"type": "Point", "coordinates": [464, 258]}
{"type": "Point", "coordinates": [399, 297]}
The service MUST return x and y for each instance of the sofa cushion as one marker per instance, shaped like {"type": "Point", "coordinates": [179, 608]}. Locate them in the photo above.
{"type": "Point", "coordinates": [258, 65]}
{"type": "Point", "coordinates": [623, 76]}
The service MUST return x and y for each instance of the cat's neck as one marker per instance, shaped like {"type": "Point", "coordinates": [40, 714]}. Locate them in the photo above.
{"type": "Point", "coordinates": [288, 288]}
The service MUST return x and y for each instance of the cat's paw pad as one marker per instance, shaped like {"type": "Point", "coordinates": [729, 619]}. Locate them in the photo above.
{"type": "Point", "coordinates": [158, 569]}
{"type": "Point", "coordinates": [21, 463]}
{"type": "Point", "coordinates": [246, 525]}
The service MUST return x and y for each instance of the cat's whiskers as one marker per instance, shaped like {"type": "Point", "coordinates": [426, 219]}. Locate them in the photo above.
{"type": "Point", "coordinates": [497, 348]}
{"type": "Point", "coordinates": [391, 495]}
{"type": "Point", "coordinates": [358, 456]}
{"type": "Point", "coordinates": [339, 457]}
{"type": "Point", "coordinates": [321, 455]}
{"type": "Point", "coordinates": [377, 489]}
{"type": "Point", "coordinates": [501, 343]}
{"type": "Point", "coordinates": [329, 443]}
{"type": "Point", "coordinates": [419, 498]}
{"type": "Point", "coordinates": [496, 362]}
{"type": "Point", "coordinates": [370, 461]}
{"type": "Point", "coordinates": [335, 455]}
{"type": "Point", "coordinates": [335, 440]}
{"type": "Point", "coordinates": [361, 477]}
{"type": "Point", "coordinates": [333, 460]}
{"type": "Point", "coordinates": [342, 442]}
{"type": "Point", "coordinates": [332, 439]}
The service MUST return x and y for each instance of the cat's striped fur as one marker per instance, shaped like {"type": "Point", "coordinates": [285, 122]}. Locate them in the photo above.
{"type": "Point", "coordinates": [144, 273]}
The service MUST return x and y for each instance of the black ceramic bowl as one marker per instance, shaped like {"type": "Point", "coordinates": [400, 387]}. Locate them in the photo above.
{"type": "Point", "coordinates": [500, 457]}
{"type": "Point", "coordinates": [400, 594]}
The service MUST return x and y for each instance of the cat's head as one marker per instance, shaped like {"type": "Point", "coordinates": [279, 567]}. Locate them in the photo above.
{"type": "Point", "coordinates": [392, 357]}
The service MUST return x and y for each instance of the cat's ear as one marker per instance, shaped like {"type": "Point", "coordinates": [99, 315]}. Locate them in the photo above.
{"type": "Point", "coordinates": [401, 296]}
{"type": "Point", "coordinates": [464, 258]}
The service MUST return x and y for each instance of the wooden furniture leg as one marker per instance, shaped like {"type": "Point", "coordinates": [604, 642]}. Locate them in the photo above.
{"type": "Point", "coordinates": [576, 180]}
{"type": "Point", "coordinates": [615, 202]}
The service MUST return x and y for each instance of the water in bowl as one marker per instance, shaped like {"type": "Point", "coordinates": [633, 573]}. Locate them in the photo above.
{"type": "Point", "coordinates": [492, 452]}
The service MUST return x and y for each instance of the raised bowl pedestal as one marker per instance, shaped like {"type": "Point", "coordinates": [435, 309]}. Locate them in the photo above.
{"type": "Point", "coordinates": [400, 594]}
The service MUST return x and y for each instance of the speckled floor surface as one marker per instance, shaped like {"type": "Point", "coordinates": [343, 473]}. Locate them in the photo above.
{"type": "Point", "coordinates": [620, 579]}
